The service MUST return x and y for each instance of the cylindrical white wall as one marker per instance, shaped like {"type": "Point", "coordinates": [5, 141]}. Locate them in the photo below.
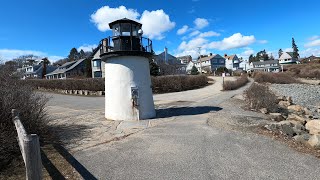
{"type": "Point", "coordinates": [121, 74]}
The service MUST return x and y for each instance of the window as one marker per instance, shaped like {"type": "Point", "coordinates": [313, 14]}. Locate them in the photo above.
{"type": "Point", "coordinates": [125, 29]}
{"type": "Point", "coordinates": [97, 63]}
{"type": "Point", "coordinates": [97, 74]}
{"type": "Point", "coordinates": [221, 61]}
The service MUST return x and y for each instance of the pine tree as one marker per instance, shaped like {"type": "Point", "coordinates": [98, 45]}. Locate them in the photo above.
{"type": "Point", "coordinates": [45, 62]}
{"type": "Point", "coordinates": [280, 52]}
{"type": "Point", "coordinates": [295, 49]}
{"type": "Point", "coordinates": [73, 55]}
{"type": "Point", "coordinates": [194, 70]}
{"type": "Point", "coordinates": [82, 54]}
{"type": "Point", "coordinates": [251, 58]}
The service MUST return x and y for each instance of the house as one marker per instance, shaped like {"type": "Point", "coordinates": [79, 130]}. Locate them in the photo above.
{"type": "Point", "coordinates": [69, 70]}
{"type": "Point", "coordinates": [244, 65]}
{"type": "Point", "coordinates": [266, 66]}
{"type": "Point", "coordinates": [210, 63]}
{"type": "Point", "coordinates": [169, 64]}
{"type": "Point", "coordinates": [287, 58]}
{"type": "Point", "coordinates": [189, 67]}
{"type": "Point", "coordinates": [232, 62]}
{"type": "Point", "coordinates": [35, 69]}
{"type": "Point", "coordinates": [184, 59]}
{"type": "Point", "coordinates": [98, 70]}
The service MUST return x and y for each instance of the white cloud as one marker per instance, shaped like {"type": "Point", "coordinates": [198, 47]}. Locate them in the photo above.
{"type": "Point", "coordinates": [235, 41]}
{"type": "Point", "coordinates": [263, 41]}
{"type": "Point", "coordinates": [245, 54]}
{"type": "Point", "coordinates": [8, 54]}
{"type": "Point", "coordinates": [87, 47]}
{"type": "Point", "coordinates": [182, 30]}
{"type": "Point", "coordinates": [313, 43]}
{"type": "Point", "coordinates": [194, 33]}
{"type": "Point", "coordinates": [155, 23]}
{"type": "Point", "coordinates": [314, 38]}
{"type": "Point", "coordinates": [201, 23]}
{"type": "Point", "coordinates": [310, 51]}
{"type": "Point", "coordinates": [209, 34]}
{"type": "Point", "coordinates": [103, 16]}
{"type": "Point", "coordinates": [192, 44]}
{"type": "Point", "coordinates": [287, 50]}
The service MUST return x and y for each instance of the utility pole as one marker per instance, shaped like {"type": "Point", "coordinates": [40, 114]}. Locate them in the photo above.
{"type": "Point", "coordinates": [199, 52]}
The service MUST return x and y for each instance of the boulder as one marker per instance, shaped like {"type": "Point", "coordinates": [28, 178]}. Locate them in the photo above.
{"type": "Point", "coordinates": [276, 117]}
{"type": "Point", "coordinates": [307, 111]}
{"type": "Point", "coordinates": [287, 130]}
{"type": "Point", "coordinates": [296, 108]}
{"type": "Point", "coordinates": [314, 141]}
{"type": "Point", "coordinates": [80, 92]}
{"type": "Point", "coordinates": [313, 126]}
{"type": "Point", "coordinates": [289, 99]}
{"type": "Point", "coordinates": [263, 110]}
{"type": "Point", "coordinates": [295, 117]}
{"type": "Point", "coordinates": [100, 93]}
{"type": "Point", "coordinates": [303, 138]}
{"type": "Point", "coordinates": [284, 104]}
{"type": "Point", "coordinates": [299, 129]}
{"type": "Point", "coordinates": [281, 98]}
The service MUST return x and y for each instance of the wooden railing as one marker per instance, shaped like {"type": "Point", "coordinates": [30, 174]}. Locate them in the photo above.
{"type": "Point", "coordinates": [30, 149]}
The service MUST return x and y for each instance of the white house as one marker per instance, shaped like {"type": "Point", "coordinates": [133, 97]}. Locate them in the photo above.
{"type": "Point", "coordinates": [232, 62]}
{"type": "Point", "coordinates": [287, 58]}
{"type": "Point", "coordinates": [189, 67]}
{"type": "Point", "coordinates": [244, 65]}
{"type": "Point", "coordinates": [266, 66]}
{"type": "Point", "coordinates": [97, 65]}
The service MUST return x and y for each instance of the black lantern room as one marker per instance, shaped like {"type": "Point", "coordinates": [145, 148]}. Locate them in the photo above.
{"type": "Point", "coordinates": [126, 37]}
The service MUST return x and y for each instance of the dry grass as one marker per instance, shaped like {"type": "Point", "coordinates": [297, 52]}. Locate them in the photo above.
{"type": "Point", "coordinates": [310, 70]}
{"type": "Point", "coordinates": [232, 85]}
{"type": "Point", "coordinates": [259, 96]}
{"type": "Point", "coordinates": [276, 78]}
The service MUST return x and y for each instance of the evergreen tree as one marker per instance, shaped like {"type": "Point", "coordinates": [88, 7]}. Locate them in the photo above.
{"type": "Point", "coordinates": [154, 68]}
{"type": "Point", "coordinates": [194, 70]}
{"type": "Point", "coordinates": [251, 58]}
{"type": "Point", "coordinates": [45, 62]}
{"type": "Point", "coordinates": [82, 54]}
{"type": "Point", "coordinates": [73, 55]}
{"type": "Point", "coordinates": [280, 52]}
{"type": "Point", "coordinates": [295, 49]}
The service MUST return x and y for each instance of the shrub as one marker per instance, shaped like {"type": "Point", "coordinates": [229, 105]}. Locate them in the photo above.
{"type": "Point", "coordinates": [310, 70]}
{"type": "Point", "coordinates": [277, 78]}
{"type": "Point", "coordinates": [232, 85]}
{"type": "Point", "coordinates": [31, 105]}
{"type": "Point", "coordinates": [194, 70]}
{"type": "Point", "coordinates": [259, 96]}
{"type": "Point", "coordinates": [175, 83]}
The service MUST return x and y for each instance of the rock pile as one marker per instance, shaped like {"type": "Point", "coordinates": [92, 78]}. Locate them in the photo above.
{"type": "Point", "coordinates": [297, 122]}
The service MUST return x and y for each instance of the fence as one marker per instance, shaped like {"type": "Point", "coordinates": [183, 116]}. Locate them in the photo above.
{"type": "Point", "coordinates": [30, 149]}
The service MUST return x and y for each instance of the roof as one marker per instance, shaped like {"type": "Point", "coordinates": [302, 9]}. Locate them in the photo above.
{"type": "Point", "coordinates": [230, 57]}
{"type": "Point", "coordinates": [62, 68]}
{"type": "Point", "coordinates": [208, 57]}
{"type": "Point", "coordinates": [124, 20]}
{"type": "Point", "coordinates": [171, 59]}
{"type": "Point", "coordinates": [290, 53]}
{"type": "Point", "coordinates": [265, 62]}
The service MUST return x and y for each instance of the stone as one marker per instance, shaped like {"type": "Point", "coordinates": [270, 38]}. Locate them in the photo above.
{"type": "Point", "coordinates": [307, 111]}
{"type": "Point", "coordinates": [303, 138]}
{"type": "Point", "coordinates": [263, 110]}
{"type": "Point", "coordinates": [85, 92]}
{"type": "Point", "coordinates": [289, 99]}
{"type": "Point", "coordinates": [314, 141]}
{"type": "Point", "coordinates": [299, 129]}
{"type": "Point", "coordinates": [284, 104]}
{"type": "Point", "coordinates": [296, 108]}
{"type": "Point", "coordinates": [287, 130]}
{"type": "Point", "coordinates": [277, 117]}
{"type": "Point", "coordinates": [281, 98]}
{"type": "Point", "coordinates": [295, 117]}
{"type": "Point", "coordinates": [100, 93]}
{"type": "Point", "coordinates": [313, 126]}
{"type": "Point", "coordinates": [271, 127]}
{"type": "Point", "coordinates": [80, 92]}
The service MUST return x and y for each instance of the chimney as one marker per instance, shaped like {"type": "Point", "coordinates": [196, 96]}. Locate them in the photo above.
{"type": "Point", "coordinates": [166, 55]}
{"type": "Point", "coordinates": [225, 55]}
{"type": "Point", "coordinates": [210, 54]}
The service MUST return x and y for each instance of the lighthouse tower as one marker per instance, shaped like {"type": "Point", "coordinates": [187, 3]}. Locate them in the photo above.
{"type": "Point", "coordinates": [128, 92]}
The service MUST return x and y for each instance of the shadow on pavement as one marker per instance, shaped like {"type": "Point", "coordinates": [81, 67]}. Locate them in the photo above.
{"type": "Point", "coordinates": [185, 111]}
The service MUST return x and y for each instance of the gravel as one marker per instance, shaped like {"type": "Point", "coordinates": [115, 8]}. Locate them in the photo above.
{"type": "Point", "coordinates": [302, 94]}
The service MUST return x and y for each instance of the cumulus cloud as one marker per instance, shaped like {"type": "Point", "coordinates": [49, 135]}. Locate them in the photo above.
{"type": "Point", "coordinates": [87, 47]}
{"type": "Point", "coordinates": [201, 23]}
{"type": "Point", "coordinates": [310, 51]}
{"type": "Point", "coordinates": [287, 49]}
{"type": "Point", "coordinates": [263, 41]}
{"type": "Point", "coordinates": [8, 54]}
{"type": "Point", "coordinates": [313, 43]}
{"type": "Point", "coordinates": [103, 16]}
{"type": "Point", "coordinates": [194, 33]}
{"type": "Point", "coordinates": [209, 34]}
{"type": "Point", "coordinates": [245, 54]}
{"type": "Point", "coordinates": [183, 30]}
{"type": "Point", "coordinates": [314, 38]}
{"type": "Point", "coordinates": [235, 41]}
{"type": "Point", "coordinates": [192, 44]}
{"type": "Point", "coordinates": [155, 23]}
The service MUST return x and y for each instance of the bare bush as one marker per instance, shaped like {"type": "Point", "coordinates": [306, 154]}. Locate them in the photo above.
{"type": "Point", "coordinates": [276, 78]}
{"type": "Point", "coordinates": [232, 85]}
{"type": "Point", "coordinates": [259, 96]}
{"type": "Point", "coordinates": [310, 70]}
{"type": "Point", "coordinates": [31, 105]}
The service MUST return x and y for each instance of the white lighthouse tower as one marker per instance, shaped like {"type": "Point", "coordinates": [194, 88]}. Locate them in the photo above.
{"type": "Point", "coordinates": [128, 92]}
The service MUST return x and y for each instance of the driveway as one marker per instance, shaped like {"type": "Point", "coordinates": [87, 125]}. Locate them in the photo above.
{"type": "Point", "coordinates": [201, 136]}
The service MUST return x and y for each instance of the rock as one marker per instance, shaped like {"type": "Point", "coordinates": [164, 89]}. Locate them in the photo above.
{"type": "Point", "coordinates": [299, 129]}
{"type": "Point", "coordinates": [284, 104]}
{"type": "Point", "coordinates": [293, 122]}
{"type": "Point", "coordinates": [277, 117]}
{"type": "Point", "coordinates": [287, 130]}
{"type": "Point", "coordinates": [289, 99]}
{"type": "Point", "coordinates": [271, 127]}
{"type": "Point", "coordinates": [303, 138]}
{"type": "Point", "coordinates": [263, 110]}
{"type": "Point", "coordinates": [313, 126]}
{"type": "Point", "coordinates": [295, 117]}
{"type": "Point", "coordinates": [281, 98]}
{"type": "Point", "coordinates": [80, 92]}
{"type": "Point", "coordinates": [307, 111]}
{"type": "Point", "coordinates": [314, 141]}
{"type": "Point", "coordinates": [296, 108]}
{"type": "Point", "coordinates": [100, 93]}
{"type": "Point", "coordinates": [85, 92]}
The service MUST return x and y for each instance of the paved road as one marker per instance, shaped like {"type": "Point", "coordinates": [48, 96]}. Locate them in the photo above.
{"type": "Point", "coordinates": [188, 148]}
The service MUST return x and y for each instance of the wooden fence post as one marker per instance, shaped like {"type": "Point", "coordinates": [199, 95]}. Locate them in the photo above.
{"type": "Point", "coordinates": [30, 149]}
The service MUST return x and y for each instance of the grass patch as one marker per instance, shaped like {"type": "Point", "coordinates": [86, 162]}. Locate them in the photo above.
{"type": "Point", "coordinates": [239, 82]}
{"type": "Point", "coordinates": [276, 78]}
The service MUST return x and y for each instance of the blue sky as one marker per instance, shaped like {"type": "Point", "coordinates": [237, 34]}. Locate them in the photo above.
{"type": "Point", "coordinates": [51, 28]}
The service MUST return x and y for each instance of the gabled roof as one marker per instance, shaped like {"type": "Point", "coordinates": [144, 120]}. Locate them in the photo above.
{"type": "Point", "coordinates": [209, 57]}
{"type": "Point", "coordinates": [290, 53]}
{"type": "Point", "coordinates": [265, 62]}
{"type": "Point", "coordinates": [171, 59]}
{"type": "Point", "coordinates": [62, 68]}
{"type": "Point", "coordinates": [231, 57]}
